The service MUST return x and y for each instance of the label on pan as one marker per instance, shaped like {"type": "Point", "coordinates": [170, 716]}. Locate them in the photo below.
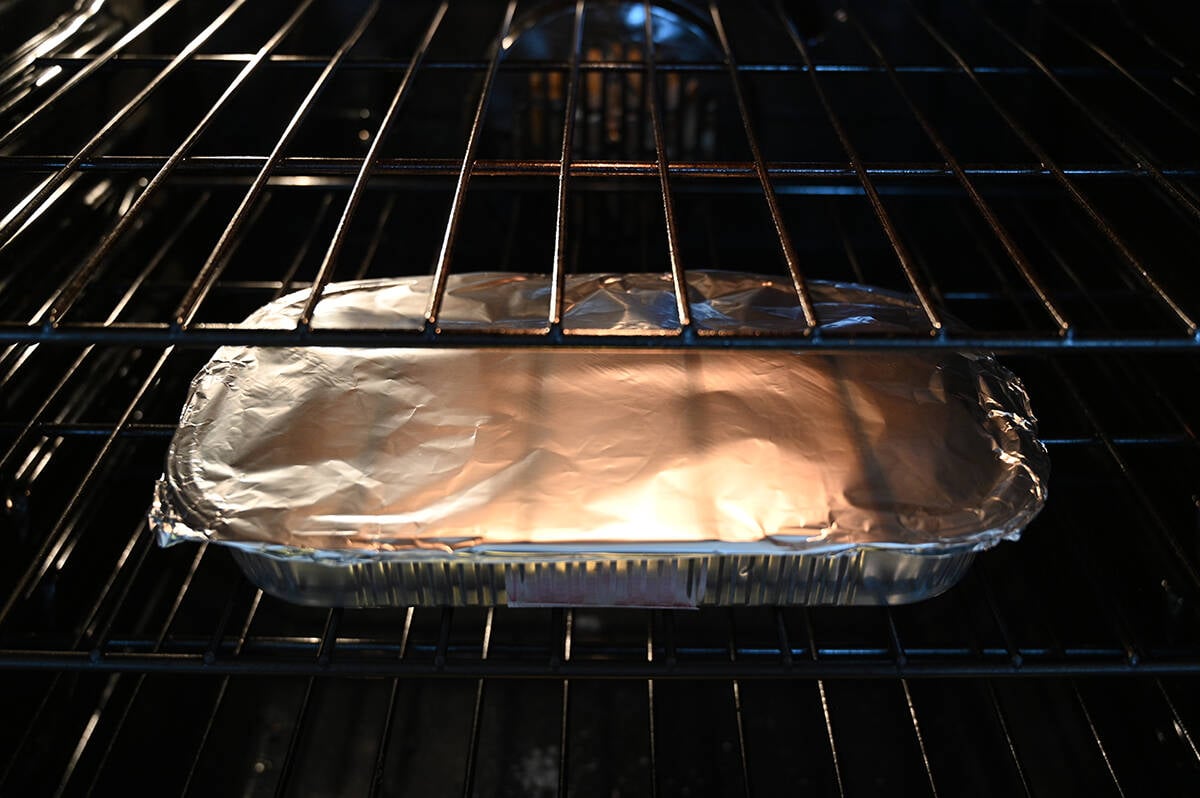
{"type": "Point", "coordinates": [647, 583]}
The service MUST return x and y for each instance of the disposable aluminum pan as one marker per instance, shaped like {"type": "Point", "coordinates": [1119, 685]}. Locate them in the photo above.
{"type": "Point", "coordinates": [551, 476]}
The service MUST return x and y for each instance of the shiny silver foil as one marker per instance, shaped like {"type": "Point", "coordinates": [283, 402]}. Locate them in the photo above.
{"type": "Point", "coordinates": [336, 455]}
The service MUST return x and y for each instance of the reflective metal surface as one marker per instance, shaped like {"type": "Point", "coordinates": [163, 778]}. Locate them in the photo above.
{"type": "Point", "coordinates": [355, 456]}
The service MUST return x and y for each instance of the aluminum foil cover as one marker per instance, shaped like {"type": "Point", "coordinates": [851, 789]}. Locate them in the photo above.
{"type": "Point", "coordinates": [340, 455]}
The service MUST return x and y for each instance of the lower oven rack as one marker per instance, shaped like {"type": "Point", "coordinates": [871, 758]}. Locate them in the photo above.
{"type": "Point", "coordinates": [1066, 663]}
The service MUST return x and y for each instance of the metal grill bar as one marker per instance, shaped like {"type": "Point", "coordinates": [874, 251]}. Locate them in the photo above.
{"type": "Point", "coordinates": [1096, 739]}
{"type": "Point", "coordinates": [668, 655]}
{"type": "Point", "coordinates": [284, 781]}
{"type": "Point", "coordinates": [442, 269]}
{"type": "Point", "coordinates": [36, 200]}
{"type": "Point", "coordinates": [97, 632]}
{"type": "Point", "coordinates": [1011, 647]}
{"type": "Point", "coordinates": [325, 271]}
{"type": "Point", "coordinates": [1178, 721]}
{"type": "Point", "coordinates": [650, 704]}
{"type": "Point", "coordinates": [39, 457]}
{"type": "Point", "coordinates": [218, 635]}
{"type": "Point", "coordinates": [932, 664]}
{"type": "Point", "coordinates": [385, 734]}
{"type": "Point", "coordinates": [324, 654]}
{"type": "Point", "coordinates": [13, 65]}
{"type": "Point", "coordinates": [1062, 263]}
{"type": "Point", "coordinates": [218, 257]}
{"type": "Point", "coordinates": [881, 212]}
{"type": "Point", "coordinates": [1102, 223]}
{"type": "Point", "coordinates": [839, 227]}
{"type": "Point", "coordinates": [736, 695]}
{"type": "Point", "coordinates": [1118, 137]}
{"type": "Point", "coordinates": [1008, 738]}
{"type": "Point", "coordinates": [1153, 42]}
{"type": "Point", "coordinates": [110, 688]}
{"type": "Point", "coordinates": [231, 167]}
{"type": "Point", "coordinates": [1159, 100]}
{"type": "Point", "coordinates": [760, 168]}
{"type": "Point", "coordinates": [558, 278]}
{"type": "Point", "coordinates": [678, 278]}
{"type": "Point", "coordinates": [157, 258]}
{"type": "Point", "coordinates": [91, 64]}
{"type": "Point", "coordinates": [306, 244]}
{"type": "Point", "coordinates": [1143, 376]}
{"type": "Point", "coordinates": [781, 633]}
{"type": "Point", "coordinates": [372, 246]}
{"type": "Point", "coordinates": [477, 711]}
{"type": "Point", "coordinates": [45, 307]}
{"type": "Point", "coordinates": [814, 660]}
{"type": "Point", "coordinates": [1177, 562]}
{"type": "Point", "coordinates": [265, 644]}
{"type": "Point", "coordinates": [1103, 598]}
{"type": "Point", "coordinates": [308, 61]}
{"type": "Point", "coordinates": [141, 680]}
{"type": "Point", "coordinates": [220, 335]}
{"type": "Point", "coordinates": [443, 641]}
{"type": "Point", "coordinates": [1131, 649]}
{"type": "Point", "coordinates": [912, 714]}
{"type": "Point", "coordinates": [37, 420]}
{"type": "Point", "coordinates": [89, 630]}
{"type": "Point", "coordinates": [86, 735]}
{"type": "Point", "coordinates": [85, 630]}
{"type": "Point", "coordinates": [57, 536]}
{"type": "Point", "coordinates": [207, 336]}
{"type": "Point", "coordinates": [41, 247]}
{"type": "Point", "coordinates": [220, 699]}
{"type": "Point", "coordinates": [563, 735]}
{"type": "Point", "coordinates": [1010, 246]}
{"type": "Point", "coordinates": [897, 647]}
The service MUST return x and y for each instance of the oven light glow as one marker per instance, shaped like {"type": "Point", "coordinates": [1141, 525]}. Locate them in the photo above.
{"type": "Point", "coordinates": [49, 75]}
{"type": "Point", "coordinates": [97, 192]}
{"type": "Point", "coordinates": [126, 202]}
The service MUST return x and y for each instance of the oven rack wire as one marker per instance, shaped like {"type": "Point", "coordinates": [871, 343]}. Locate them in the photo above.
{"type": "Point", "coordinates": [1020, 617]}
{"type": "Point", "coordinates": [121, 454]}
{"type": "Point", "coordinates": [1110, 590]}
{"type": "Point", "coordinates": [1103, 603]}
{"type": "Point", "coordinates": [1166, 321]}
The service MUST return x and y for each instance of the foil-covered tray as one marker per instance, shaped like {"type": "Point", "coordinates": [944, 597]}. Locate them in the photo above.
{"type": "Point", "coordinates": [576, 476]}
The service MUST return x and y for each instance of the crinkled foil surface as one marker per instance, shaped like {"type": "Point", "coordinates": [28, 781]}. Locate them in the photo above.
{"type": "Point", "coordinates": [341, 455]}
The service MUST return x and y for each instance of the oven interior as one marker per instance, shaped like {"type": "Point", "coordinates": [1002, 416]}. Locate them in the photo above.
{"type": "Point", "coordinates": [1027, 168]}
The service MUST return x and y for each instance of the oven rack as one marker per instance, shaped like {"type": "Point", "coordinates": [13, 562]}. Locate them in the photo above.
{"type": "Point", "coordinates": [1096, 610]}
{"type": "Point", "coordinates": [126, 664]}
{"type": "Point", "coordinates": [1114, 553]}
{"type": "Point", "coordinates": [1157, 310]}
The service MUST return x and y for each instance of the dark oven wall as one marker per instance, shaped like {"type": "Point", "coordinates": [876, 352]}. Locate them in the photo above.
{"type": "Point", "coordinates": [1028, 170]}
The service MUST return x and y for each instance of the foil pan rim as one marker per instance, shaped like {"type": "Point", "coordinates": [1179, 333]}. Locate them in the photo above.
{"type": "Point", "coordinates": [171, 527]}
